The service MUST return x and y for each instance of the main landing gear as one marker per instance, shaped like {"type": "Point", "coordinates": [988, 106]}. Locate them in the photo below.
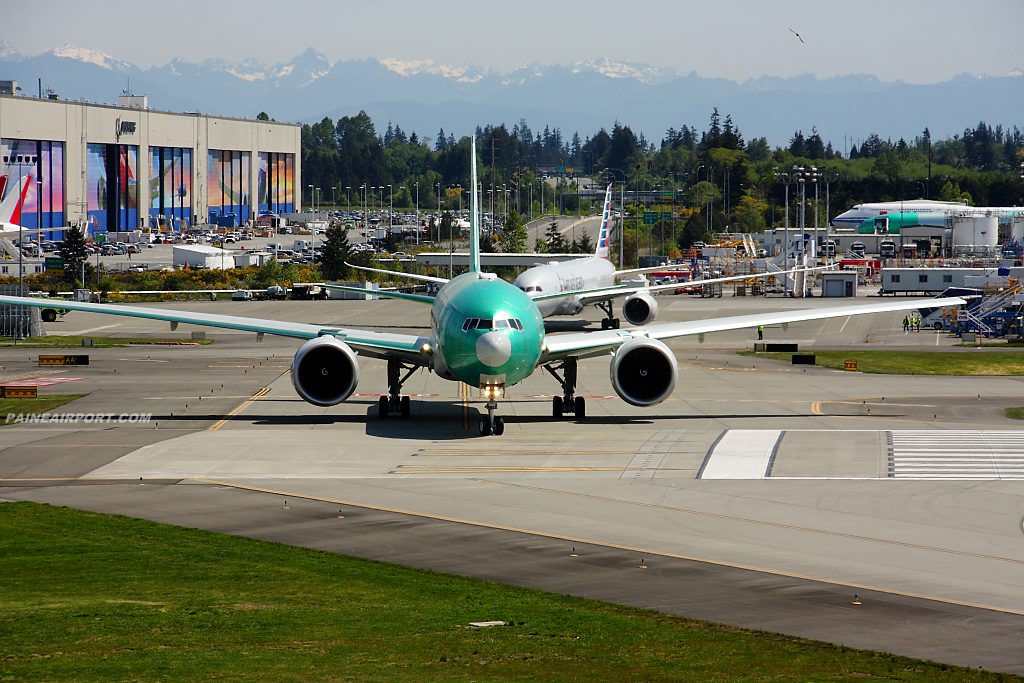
{"type": "Point", "coordinates": [567, 402]}
{"type": "Point", "coordinates": [394, 403]}
{"type": "Point", "coordinates": [610, 322]}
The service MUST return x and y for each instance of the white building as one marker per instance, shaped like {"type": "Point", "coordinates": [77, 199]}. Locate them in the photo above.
{"type": "Point", "coordinates": [201, 256]}
{"type": "Point", "coordinates": [119, 168]}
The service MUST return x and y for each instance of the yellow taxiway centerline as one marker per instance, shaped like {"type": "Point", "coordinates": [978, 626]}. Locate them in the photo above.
{"type": "Point", "coordinates": [239, 409]}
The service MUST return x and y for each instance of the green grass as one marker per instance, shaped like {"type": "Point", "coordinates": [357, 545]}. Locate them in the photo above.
{"type": "Point", "coordinates": [916, 362]}
{"type": "Point", "coordinates": [91, 597]}
{"type": "Point", "coordinates": [1015, 413]}
{"type": "Point", "coordinates": [31, 406]}
{"type": "Point", "coordinates": [75, 342]}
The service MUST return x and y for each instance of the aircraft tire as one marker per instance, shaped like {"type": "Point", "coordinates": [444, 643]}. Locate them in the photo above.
{"type": "Point", "coordinates": [406, 406]}
{"type": "Point", "coordinates": [485, 426]}
{"type": "Point", "coordinates": [615, 323]}
{"type": "Point", "coordinates": [382, 408]}
{"type": "Point", "coordinates": [604, 324]}
{"type": "Point", "coordinates": [556, 407]}
{"type": "Point", "coordinates": [499, 426]}
{"type": "Point", "coordinates": [581, 408]}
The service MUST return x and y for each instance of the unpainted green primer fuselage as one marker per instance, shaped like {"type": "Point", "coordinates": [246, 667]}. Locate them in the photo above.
{"type": "Point", "coordinates": [471, 296]}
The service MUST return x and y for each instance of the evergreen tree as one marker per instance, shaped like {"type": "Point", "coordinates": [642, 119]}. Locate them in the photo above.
{"type": "Point", "coordinates": [556, 243]}
{"type": "Point", "coordinates": [813, 146]}
{"type": "Point", "coordinates": [586, 246]}
{"type": "Point", "coordinates": [513, 237]}
{"type": "Point", "coordinates": [336, 252]}
{"type": "Point", "coordinates": [731, 136]}
{"type": "Point", "coordinates": [714, 135]}
{"type": "Point", "coordinates": [73, 251]}
{"type": "Point", "coordinates": [797, 145]}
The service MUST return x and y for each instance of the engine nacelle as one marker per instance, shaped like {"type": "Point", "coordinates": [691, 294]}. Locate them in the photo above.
{"type": "Point", "coordinates": [325, 371]}
{"type": "Point", "coordinates": [640, 309]}
{"type": "Point", "coordinates": [643, 372]}
{"type": "Point", "coordinates": [440, 369]}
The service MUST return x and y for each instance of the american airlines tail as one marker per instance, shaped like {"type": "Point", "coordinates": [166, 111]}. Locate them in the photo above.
{"type": "Point", "coordinates": [602, 250]}
{"type": "Point", "coordinates": [10, 207]}
{"type": "Point", "coordinates": [474, 217]}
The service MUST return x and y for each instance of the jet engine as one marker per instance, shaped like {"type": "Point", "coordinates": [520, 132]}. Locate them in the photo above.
{"type": "Point", "coordinates": [325, 371]}
{"type": "Point", "coordinates": [643, 372]}
{"type": "Point", "coordinates": [640, 309]}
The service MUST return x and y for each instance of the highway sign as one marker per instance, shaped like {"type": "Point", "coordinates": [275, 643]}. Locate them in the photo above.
{"type": "Point", "coordinates": [54, 265]}
{"type": "Point", "coordinates": [652, 217]}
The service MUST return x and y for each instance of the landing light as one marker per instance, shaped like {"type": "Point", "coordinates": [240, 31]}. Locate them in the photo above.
{"type": "Point", "coordinates": [425, 348]}
{"type": "Point", "coordinates": [491, 391]}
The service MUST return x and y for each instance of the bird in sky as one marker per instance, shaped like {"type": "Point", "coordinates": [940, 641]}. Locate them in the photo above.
{"type": "Point", "coordinates": [797, 35]}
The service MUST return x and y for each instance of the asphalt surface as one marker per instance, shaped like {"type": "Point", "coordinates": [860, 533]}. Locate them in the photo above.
{"type": "Point", "coordinates": [936, 561]}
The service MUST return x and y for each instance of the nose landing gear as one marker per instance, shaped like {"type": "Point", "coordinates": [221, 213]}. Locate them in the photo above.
{"type": "Point", "coordinates": [568, 402]}
{"type": "Point", "coordinates": [394, 403]}
{"type": "Point", "coordinates": [491, 423]}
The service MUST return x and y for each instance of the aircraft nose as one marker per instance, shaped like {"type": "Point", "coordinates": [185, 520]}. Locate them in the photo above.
{"type": "Point", "coordinates": [493, 349]}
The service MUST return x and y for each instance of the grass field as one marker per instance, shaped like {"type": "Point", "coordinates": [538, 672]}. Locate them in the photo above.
{"type": "Point", "coordinates": [91, 597]}
{"type": "Point", "coordinates": [1015, 413]}
{"type": "Point", "coordinates": [74, 342]}
{"type": "Point", "coordinates": [32, 406]}
{"type": "Point", "coordinates": [916, 362]}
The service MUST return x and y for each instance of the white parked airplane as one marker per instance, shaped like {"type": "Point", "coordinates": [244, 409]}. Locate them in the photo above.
{"type": "Point", "coordinates": [861, 212]}
{"type": "Point", "coordinates": [567, 287]}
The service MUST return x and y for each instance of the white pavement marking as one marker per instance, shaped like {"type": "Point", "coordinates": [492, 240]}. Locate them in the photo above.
{"type": "Point", "coordinates": [957, 454]}
{"type": "Point", "coordinates": [75, 333]}
{"type": "Point", "coordinates": [742, 454]}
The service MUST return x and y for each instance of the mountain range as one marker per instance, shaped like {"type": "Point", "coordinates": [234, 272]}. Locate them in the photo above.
{"type": "Point", "coordinates": [424, 96]}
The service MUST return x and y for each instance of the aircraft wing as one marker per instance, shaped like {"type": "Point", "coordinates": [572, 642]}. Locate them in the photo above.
{"type": "Point", "coordinates": [413, 276]}
{"type": "Point", "coordinates": [585, 344]}
{"type": "Point", "coordinates": [681, 267]}
{"type": "Point", "coordinates": [374, 344]}
{"type": "Point", "coordinates": [387, 293]}
{"type": "Point", "coordinates": [592, 296]}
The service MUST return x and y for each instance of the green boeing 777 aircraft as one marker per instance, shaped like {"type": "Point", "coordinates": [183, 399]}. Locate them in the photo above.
{"type": "Point", "coordinates": [487, 333]}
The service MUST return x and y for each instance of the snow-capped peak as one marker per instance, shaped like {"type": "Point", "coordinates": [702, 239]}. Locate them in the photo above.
{"type": "Point", "coordinates": [463, 73]}
{"type": "Point", "coordinates": [96, 57]}
{"type": "Point", "coordinates": [8, 52]}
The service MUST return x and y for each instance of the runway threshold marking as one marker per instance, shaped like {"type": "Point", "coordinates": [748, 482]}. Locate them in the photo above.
{"type": "Point", "coordinates": [777, 525]}
{"type": "Point", "coordinates": [239, 409]}
{"type": "Point", "coordinates": [603, 544]}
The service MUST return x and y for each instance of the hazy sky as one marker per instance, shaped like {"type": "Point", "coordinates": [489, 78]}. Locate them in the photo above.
{"type": "Point", "coordinates": [918, 42]}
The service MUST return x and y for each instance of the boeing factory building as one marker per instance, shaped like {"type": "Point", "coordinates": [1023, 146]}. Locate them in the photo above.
{"type": "Point", "coordinates": [125, 167]}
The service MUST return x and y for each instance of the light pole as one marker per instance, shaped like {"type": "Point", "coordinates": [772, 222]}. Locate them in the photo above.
{"type": "Point", "coordinates": [418, 214]}
{"type": "Point", "coordinates": [391, 210]}
{"type": "Point", "coordinates": [348, 198]}
{"type": "Point", "coordinates": [311, 201]}
{"type": "Point", "coordinates": [785, 177]}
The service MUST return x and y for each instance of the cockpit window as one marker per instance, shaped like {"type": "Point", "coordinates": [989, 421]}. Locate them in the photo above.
{"type": "Point", "coordinates": [530, 289]}
{"type": "Point", "coordinates": [497, 324]}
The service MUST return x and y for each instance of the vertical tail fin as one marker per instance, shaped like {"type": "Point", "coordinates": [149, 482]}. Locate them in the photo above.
{"type": "Point", "coordinates": [602, 250]}
{"type": "Point", "coordinates": [10, 208]}
{"type": "Point", "coordinates": [474, 217]}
